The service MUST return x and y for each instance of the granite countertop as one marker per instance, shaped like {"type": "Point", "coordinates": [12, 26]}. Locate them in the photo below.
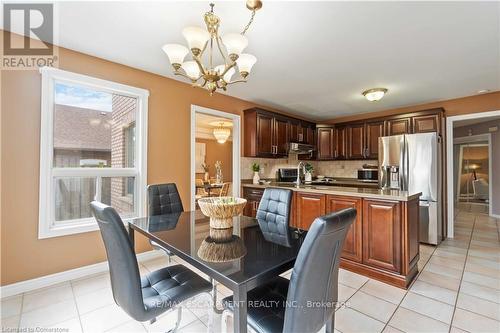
{"type": "Point", "coordinates": [369, 193]}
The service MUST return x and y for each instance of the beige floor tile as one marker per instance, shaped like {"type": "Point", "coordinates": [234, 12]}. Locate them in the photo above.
{"type": "Point", "coordinates": [10, 324]}
{"type": "Point", "coordinates": [94, 300]}
{"type": "Point", "coordinates": [428, 307]}
{"type": "Point", "coordinates": [443, 270]}
{"type": "Point", "coordinates": [349, 320]}
{"type": "Point", "coordinates": [457, 330]}
{"type": "Point", "coordinates": [486, 293]}
{"type": "Point", "coordinates": [11, 306]}
{"type": "Point", "coordinates": [157, 263]}
{"type": "Point", "coordinates": [390, 329]}
{"type": "Point", "coordinates": [69, 326]}
{"type": "Point", "coordinates": [493, 272]}
{"type": "Point", "coordinates": [351, 279]}
{"type": "Point", "coordinates": [429, 290]}
{"type": "Point", "coordinates": [429, 249]}
{"type": "Point", "coordinates": [410, 321]}
{"type": "Point", "coordinates": [47, 296]}
{"type": "Point", "coordinates": [372, 306]}
{"type": "Point", "coordinates": [129, 327]}
{"type": "Point", "coordinates": [439, 280]}
{"type": "Point", "coordinates": [345, 293]}
{"type": "Point", "coordinates": [49, 315]}
{"type": "Point", "coordinates": [473, 322]}
{"type": "Point", "coordinates": [448, 262]}
{"type": "Point", "coordinates": [479, 305]}
{"type": "Point", "coordinates": [195, 327]}
{"type": "Point", "coordinates": [452, 249]}
{"type": "Point", "coordinates": [91, 284]}
{"type": "Point", "coordinates": [482, 280]}
{"type": "Point", "coordinates": [483, 262]}
{"type": "Point", "coordinates": [384, 291]}
{"type": "Point", "coordinates": [103, 319]}
{"type": "Point", "coordinates": [489, 243]}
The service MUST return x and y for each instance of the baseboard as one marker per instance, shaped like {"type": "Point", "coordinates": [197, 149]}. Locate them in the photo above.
{"type": "Point", "coordinates": [76, 273]}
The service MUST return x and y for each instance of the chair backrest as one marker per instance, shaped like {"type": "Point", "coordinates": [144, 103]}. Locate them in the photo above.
{"type": "Point", "coordinates": [123, 268]}
{"type": "Point", "coordinates": [273, 215]}
{"type": "Point", "coordinates": [224, 190]}
{"type": "Point", "coordinates": [164, 199]}
{"type": "Point", "coordinates": [315, 273]}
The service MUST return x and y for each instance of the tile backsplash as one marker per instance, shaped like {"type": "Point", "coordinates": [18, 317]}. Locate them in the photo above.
{"type": "Point", "coordinates": [269, 167]}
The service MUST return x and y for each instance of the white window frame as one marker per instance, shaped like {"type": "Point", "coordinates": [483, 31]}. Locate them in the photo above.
{"type": "Point", "coordinates": [46, 226]}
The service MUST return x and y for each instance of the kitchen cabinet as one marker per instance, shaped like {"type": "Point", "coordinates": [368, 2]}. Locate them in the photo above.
{"type": "Point", "coordinates": [267, 134]}
{"type": "Point", "coordinates": [382, 239]}
{"type": "Point", "coordinates": [353, 242]}
{"type": "Point", "coordinates": [339, 142]}
{"type": "Point", "coordinates": [373, 131]}
{"type": "Point", "coordinates": [398, 126]}
{"type": "Point", "coordinates": [427, 123]}
{"type": "Point", "coordinates": [309, 207]}
{"type": "Point", "coordinates": [325, 143]}
{"type": "Point", "coordinates": [253, 196]}
{"type": "Point", "coordinates": [356, 141]}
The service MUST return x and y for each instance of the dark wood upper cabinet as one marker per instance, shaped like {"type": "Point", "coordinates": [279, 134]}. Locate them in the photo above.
{"type": "Point", "coordinates": [374, 130]}
{"type": "Point", "coordinates": [382, 237]}
{"type": "Point", "coordinates": [265, 135]}
{"type": "Point", "coordinates": [309, 207]}
{"type": "Point", "coordinates": [353, 249]}
{"type": "Point", "coordinates": [398, 126]}
{"type": "Point", "coordinates": [308, 133]}
{"type": "Point", "coordinates": [339, 143]}
{"type": "Point", "coordinates": [427, 123]}
{"type": "Point", "coordinates": [281, 136]}
{"type": "Point", "coordinates": [356, 141]}
{"type": "Point", "coordinates": [293, 128]}
{"type": "Point", "coordinates": [325, 143]}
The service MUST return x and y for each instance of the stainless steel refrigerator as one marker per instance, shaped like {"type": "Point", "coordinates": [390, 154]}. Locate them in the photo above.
{"type": "Point", "coordinates": [412, 163]}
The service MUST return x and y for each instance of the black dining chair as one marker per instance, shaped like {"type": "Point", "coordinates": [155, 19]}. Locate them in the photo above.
{"type": "Point", "coordinates": [284, 305]}
{"type": "Point", "coordinates": [143, 298]}
{"type": "Point", "coordinates": [273, 215]}
{"type": "Point", "coordinates": [163, 199]}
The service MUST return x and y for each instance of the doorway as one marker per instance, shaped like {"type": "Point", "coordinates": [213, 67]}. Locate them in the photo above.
{"type": "Point", "coordinates": [471, 184]}
{"type": "Point", "coordinates": [215, 154]}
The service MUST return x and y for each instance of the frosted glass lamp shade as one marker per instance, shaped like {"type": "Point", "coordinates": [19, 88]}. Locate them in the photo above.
{"type": "Point", "coordinates": [196, 37]}
{"type": "Point", "coordinates": [229, 74]}
{"type": "Point", "coordinates": [235, 43]}
{"type": "Point", "coordinates": [245, 63]}
{"type": "Point", "coordinates": [374, 94]}
{"type": "Point", "coordinates": [191, 68]}
{"type": "Point", "coordinates": [175, 53]}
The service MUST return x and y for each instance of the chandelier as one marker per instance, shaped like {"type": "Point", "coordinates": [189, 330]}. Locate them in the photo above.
{"type": "Point", "coordinates": [207, 42]}
{"type": "Point", "coordinates": [221, 132]}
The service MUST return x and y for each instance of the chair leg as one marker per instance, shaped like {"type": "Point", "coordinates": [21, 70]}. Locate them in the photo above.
{"type": "Point", "coordinates": [225, 325]}
{"type": "Point", "coordinates": [178, 322]}
{"type": "Point", "coordinates": [330, 324]}
{"type": "Point", "coordinates": [214, 296]}
{"type": "Point", "coordinates": [210, 324]}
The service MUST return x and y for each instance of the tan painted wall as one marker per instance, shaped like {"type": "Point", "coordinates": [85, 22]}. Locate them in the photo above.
{"type": "Point", "coordinates": [214, 152]}
{"type": "Point", "coordinates": [452, 107]}
{"type": "Point", "coordinates": [23, 256]}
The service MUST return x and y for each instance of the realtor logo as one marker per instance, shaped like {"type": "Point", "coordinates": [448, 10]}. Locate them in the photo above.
{"type": "Point", "coordinates": [28, 35]}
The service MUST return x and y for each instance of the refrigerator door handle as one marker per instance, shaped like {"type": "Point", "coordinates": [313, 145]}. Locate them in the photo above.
{"type": "Point", "coordinates": [424, 203]}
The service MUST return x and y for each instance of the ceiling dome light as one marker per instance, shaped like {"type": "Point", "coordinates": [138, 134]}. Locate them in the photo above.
{"type": "Point", "coordinates": [483, 91]}
{"type": "Point", "coordinates": [221, 133]}
{"type": "Point", "coordinates": [375, 94]}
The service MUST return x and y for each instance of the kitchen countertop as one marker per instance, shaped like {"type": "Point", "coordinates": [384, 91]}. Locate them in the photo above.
{"type": "Point", "coordinates": [369, 193]}
{"type": "Point", "coordinates": [351, 182]}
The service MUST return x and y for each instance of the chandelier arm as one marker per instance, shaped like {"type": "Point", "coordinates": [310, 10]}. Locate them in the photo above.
{"type": "Point", "coordinates": [228, 67]}
{"type": "Point", "coordinates": [184, 75]}
{"type": "Point", "coordinates": [237, 81]}
{"type": "Point", "coordinates": [219, 41]}
{"type": "Point", "coordinates": [200, 66]}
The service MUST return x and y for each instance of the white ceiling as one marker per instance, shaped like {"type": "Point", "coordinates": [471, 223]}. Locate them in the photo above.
{"type": "Point", "coordinates": [314, 58]}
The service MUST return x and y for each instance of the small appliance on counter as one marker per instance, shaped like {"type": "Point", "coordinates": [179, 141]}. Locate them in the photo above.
{"type": "Point", "coordinates": [286, 175]}
{"type": "Point", "coordinates": [369, 173]}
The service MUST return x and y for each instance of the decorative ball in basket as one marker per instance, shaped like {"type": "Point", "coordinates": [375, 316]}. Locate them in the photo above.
{"type": "Point", "coordinates": [221, 210]}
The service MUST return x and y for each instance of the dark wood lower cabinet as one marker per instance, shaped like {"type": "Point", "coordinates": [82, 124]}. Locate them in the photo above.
{"type": "Point", "coordinates": [353, 249]}
{"type": "Point", "coordinates": [309, 206]}
{"type": "Point", "coordinates": [382, 234]}
{"type": "Point", "coordinates": [253, 196]}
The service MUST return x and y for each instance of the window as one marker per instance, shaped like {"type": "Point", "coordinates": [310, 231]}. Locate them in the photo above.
{"type": "Point", "coordinates": [93, 147]}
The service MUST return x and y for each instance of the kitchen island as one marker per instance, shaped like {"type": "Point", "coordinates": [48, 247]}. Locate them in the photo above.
{"type": "Point", "coordinates": [383, 241]}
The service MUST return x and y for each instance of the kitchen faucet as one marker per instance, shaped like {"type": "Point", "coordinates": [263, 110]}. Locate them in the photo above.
{"type": "Point", "coordinates": [301, 164]}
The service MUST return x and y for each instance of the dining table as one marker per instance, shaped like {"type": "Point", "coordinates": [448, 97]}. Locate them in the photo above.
{"type": "Point", "coordinates": [209, 187]}
{"type": "Point", "coordinates": [258, 258]}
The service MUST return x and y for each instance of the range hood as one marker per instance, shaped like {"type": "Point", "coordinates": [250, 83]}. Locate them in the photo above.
{"type": "Point", "coordinates": [300, 148]}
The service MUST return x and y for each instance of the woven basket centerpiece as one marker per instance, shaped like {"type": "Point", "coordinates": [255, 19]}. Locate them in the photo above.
{"type": "Point", "coordinates": [221, 246]}
{"type": "Point", "coordinates": [221, 210]}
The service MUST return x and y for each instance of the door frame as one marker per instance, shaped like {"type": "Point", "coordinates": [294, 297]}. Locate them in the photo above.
{"type": "Point", "coordinates": [236, 119]}
{"type": "Point", "coordinates": [449, 163]}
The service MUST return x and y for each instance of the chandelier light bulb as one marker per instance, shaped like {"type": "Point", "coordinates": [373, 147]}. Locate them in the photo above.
{"type": "Point", "coordinates": [245, 63]}
{"type": "Point", "coordinates": [375, 94]}
{"type": "Point", "coordinates": [196, 38]}
{"type": "Point", "coordinates": [175, 53]}
{"type": "Point", "coordinates": [235, 44]}
{"type": "Point", "coordinates": [191, 68]}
